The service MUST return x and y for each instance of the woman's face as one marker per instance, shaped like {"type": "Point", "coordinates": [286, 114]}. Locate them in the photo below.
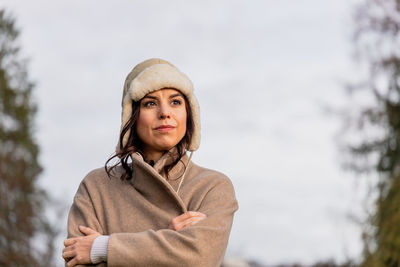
{"type": "Point", "coordinates": [162, 120]}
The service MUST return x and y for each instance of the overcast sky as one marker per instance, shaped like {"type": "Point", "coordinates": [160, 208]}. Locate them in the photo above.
{"type": "Point", "coordinates": [263, 71]}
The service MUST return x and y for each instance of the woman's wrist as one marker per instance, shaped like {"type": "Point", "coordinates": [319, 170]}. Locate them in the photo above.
{"type": "Point", "coordinates": [98, 252]}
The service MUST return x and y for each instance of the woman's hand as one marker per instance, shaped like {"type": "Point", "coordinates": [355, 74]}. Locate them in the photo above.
{"type": "Point", "coordinates": [77, 249]}
{"type": "Point", "coordinates": [186, 219]}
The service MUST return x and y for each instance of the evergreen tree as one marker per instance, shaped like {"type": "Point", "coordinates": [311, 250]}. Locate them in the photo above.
{"type": "Point", "coordinates": [26, 239]}
{"type": "Point", "coordinates": [376, 147]}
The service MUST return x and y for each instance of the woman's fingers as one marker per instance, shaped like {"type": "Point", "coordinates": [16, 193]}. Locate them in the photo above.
{"type": "Point", "coordinates": [72, 262]}
{"type": "Point", "coordinates": [87, 230]}
{"type": "Point", "coordinates": [77, 249]}
{"type": "Point", "coordinates": [69, 242]}
{"type": "Point", "coordinates": [68, 254]}
{"type": "Point", "coordinates": [188, 215]}
{"type": "Point", "coordinates": [191, 214]}
{"type": "Point", "coordinates": [188, 222]}
{"type": "Point", "coordinates": [186, 219]}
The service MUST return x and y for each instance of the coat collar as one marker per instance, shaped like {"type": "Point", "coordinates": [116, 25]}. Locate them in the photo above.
{"type": "Point", "coordinates": [152, 183]}
{"type": "Point", "coordinates": [177, 171]}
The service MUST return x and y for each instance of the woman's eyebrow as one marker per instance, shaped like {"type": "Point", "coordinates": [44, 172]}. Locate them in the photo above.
{"type": "Point", "coordinates": [175, 95]}
{"type": "Point", "coordinates": [150, 96]}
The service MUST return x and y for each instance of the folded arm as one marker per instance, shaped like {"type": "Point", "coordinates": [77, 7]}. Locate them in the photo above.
{"type": "Point", "coordinates": [201, 243]}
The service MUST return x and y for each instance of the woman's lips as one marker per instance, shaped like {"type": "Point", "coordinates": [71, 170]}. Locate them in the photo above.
{"type": "Point", "coordinates": [165, 128]}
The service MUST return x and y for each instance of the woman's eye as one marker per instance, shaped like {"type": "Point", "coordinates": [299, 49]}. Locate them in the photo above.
{"type": "Point", "coordinates": [149, 104]}
{"type": "Point", "coordinates": [176, 102]}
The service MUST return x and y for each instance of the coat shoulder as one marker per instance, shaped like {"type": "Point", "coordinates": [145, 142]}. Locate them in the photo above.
{"type": "Point", "coordinates": [98, 179]}
{"type": "Point", "coordinates": [96, 176]}
{"type": "Point", "coordinates": [209, 186]}
{"type": "Point", "coordinates": [209, 179]}
{"type": "Point", "coordinates": [200, 172]}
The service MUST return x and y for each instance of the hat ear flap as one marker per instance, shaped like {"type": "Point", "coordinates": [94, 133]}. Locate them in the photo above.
{"type": "Point", "coordinates": [125, 116]}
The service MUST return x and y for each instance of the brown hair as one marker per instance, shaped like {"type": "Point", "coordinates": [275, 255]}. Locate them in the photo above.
{"type": "Point", "coordinates": [134, 144]}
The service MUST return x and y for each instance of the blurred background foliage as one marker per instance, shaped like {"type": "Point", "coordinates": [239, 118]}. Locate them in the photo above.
{"type": "Point", "coordinates": [373, 145]}
{"type": "Point", "coordinates": [26, 236]}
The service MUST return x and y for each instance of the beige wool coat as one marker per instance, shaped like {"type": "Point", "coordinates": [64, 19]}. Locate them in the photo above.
{"type": "Point", "coordinates": [136, 214]}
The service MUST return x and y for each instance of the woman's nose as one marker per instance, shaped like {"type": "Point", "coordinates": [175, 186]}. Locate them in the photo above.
{"type": "Point", "coordinates": [164, 111]}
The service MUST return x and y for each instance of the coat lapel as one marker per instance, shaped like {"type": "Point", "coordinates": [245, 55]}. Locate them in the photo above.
{"type": "Point", "coordinates": [149, 182]}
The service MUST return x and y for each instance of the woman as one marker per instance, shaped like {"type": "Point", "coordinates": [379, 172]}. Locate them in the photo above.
{"type": "Point", "coordinates": [154, 207]}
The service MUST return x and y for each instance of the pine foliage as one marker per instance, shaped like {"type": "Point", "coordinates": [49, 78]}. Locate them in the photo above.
{"type": "Point", "coordinates": [378, 41]}
{"type": "Point", "coordinates": [25, 236]}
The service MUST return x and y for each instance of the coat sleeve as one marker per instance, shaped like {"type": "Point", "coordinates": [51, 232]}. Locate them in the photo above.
{"type": "Point", "coordinates": [82, 213]}
{"type": "Point", "coordinates": [202, 244]}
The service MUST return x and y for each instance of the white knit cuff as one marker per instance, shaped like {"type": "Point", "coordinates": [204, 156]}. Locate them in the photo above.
{"type": "Point", "coordinates": [98, 252]}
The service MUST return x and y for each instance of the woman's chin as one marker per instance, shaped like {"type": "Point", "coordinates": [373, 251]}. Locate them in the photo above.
{"type": "Point", "coordinates": [166, 144]}
{"type": "Point", "coordinates": [165, 147]}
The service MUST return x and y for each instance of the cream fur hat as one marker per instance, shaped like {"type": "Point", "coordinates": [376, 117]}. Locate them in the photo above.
{"type": "Point", "coordinates": [152, 75]}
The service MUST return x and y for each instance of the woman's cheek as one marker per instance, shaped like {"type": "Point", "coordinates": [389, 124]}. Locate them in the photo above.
{"type": "Point", "coordinates": [182, 122]}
